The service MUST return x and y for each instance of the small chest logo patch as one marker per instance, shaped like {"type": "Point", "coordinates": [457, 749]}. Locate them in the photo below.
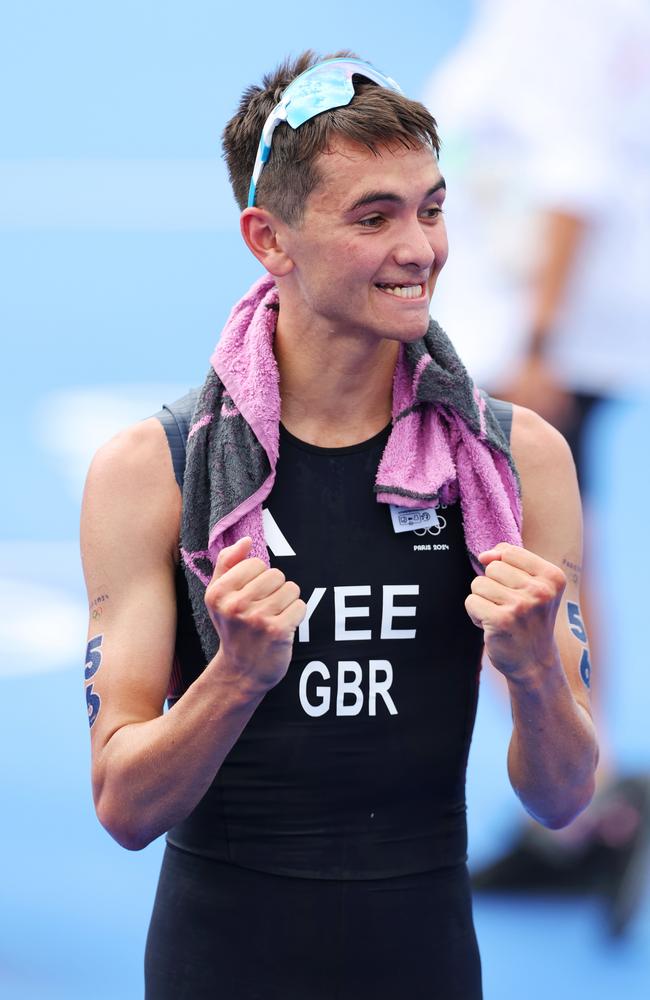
{"type": "Point", "coordinates": [428, 526]}
{"type": "Point", "coordinates": [409, 519]}
{"type": "Point", "coordinates": [432, 529]}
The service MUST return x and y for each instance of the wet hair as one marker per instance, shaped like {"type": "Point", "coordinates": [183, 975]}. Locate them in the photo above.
{"type": "Point", "coordinates": [374, 118]}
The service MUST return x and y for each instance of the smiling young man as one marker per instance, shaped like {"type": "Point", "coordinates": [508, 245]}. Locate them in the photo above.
{"type": "Point", "coordinates": [348, 512]}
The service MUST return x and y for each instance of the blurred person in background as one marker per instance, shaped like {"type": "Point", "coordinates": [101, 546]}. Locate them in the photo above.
{"type": "Point", "coordinates": [545, 112]}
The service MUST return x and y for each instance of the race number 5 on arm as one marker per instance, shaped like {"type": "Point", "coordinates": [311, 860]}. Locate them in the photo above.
{"type": "Point", "coordinates": [529, 611]}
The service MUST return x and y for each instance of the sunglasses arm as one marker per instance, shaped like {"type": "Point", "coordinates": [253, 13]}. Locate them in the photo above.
{"type": "Point", "coordinates": [277, 116]}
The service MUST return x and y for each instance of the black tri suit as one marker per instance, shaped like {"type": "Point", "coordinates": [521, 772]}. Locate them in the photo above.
{"type": "Point", "coordinates": [327, 861]}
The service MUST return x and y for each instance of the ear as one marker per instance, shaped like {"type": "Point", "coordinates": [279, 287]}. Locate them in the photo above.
{"type": "Point", "coordinates": [261, 232]}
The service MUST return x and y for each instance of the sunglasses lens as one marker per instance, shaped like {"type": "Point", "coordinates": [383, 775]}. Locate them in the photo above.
{"type": "Point", "coordinates": [321, 88]}
{"type": "Point", "coordinates": [316, 93]}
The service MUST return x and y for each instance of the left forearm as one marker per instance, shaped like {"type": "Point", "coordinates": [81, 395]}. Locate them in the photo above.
{"type": "Point", "coordinates": [553, 751]}
{"type": "Point", "coordinates": [559, 250]}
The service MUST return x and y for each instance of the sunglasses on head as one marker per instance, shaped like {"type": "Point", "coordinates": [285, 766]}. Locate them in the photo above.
{"type": "Point", "coordinates": [323, 87]}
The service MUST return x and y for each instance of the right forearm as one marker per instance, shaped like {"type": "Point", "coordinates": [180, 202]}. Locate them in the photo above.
{"type": "Point", "coordinates": [150, 775]}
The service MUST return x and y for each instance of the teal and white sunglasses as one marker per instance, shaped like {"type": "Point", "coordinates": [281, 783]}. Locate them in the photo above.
{"type": "Point", "coordinates": [323, 87]}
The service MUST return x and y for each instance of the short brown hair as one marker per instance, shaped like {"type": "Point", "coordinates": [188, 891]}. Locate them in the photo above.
{"type": "Point", "coordinates": [375, 117]}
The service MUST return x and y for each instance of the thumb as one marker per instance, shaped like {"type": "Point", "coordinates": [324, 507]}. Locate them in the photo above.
{"type": "Point", "coordinates": [231, 555]}
{"type": "Point", "coordinates": [490, 555]}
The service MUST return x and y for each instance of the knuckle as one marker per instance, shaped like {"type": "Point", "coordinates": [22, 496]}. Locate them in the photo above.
{"type": "Point", "coordinates": [521, 604]}
{"type": "Point", "coordinates": [276, 632]}
{"type": "Point", "coordinates": [542, 591]}
{"type": "Point", "coordinates": [212, 595]}
{"type": "Point", "coordinates": [216, 590]}
{"type": "Point", "coordinates": [507, 620]}
{"type": "Point", "coordinates": [231, 605]}
{"type": "Point", "coordinates": [257, 621]}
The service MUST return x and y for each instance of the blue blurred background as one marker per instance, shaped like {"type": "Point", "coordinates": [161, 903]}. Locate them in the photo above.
{"type": "Point", "coordinates": [119, 260]}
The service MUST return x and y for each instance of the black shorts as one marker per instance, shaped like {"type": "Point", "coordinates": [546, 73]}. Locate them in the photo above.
{"type": "Point", "coordinates": [228, 933]}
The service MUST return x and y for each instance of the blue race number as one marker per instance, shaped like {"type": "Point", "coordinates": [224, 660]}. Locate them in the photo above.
{"type": "Point", "coordinates": [575, 621]}
{"type": "Point", "coordinates": [93, 701]}
{"type": "Point", "coordinates": [93, 657]}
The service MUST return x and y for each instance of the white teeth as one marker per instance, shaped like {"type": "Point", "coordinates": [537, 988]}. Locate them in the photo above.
{"type": "Point", "coordinates": [403, 291]}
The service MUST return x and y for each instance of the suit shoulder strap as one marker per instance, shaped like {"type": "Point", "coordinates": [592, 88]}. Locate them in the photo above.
{"type": "Point", "coordinates": [176, 418]}
{"type": "Point", "coordinates": [502, 410]}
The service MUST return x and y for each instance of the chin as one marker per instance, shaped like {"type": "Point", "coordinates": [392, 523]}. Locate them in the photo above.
{"type": "Point", "coordinates": [409, 333]}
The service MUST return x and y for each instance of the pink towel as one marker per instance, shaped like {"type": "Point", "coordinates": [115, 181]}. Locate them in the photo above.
{"type": "Point", "coordinates": [445, 445]}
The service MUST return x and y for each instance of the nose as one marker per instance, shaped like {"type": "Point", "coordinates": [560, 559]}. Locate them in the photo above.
{"type": "Point", "coordinates": [414, 249]}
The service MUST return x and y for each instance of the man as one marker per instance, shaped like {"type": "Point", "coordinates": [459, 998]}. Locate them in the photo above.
{"type": "Point", "coordinates": [322, 658]}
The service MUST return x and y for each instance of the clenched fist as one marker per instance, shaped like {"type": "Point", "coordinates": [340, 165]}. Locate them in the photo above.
{"type": "Point", "coordinates": [516, 604]}
{"type": "Point", "coordinates": [256, 612]}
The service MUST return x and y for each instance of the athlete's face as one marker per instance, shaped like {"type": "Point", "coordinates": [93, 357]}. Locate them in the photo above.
{"type": "Point", "coordinates": [371, 243]}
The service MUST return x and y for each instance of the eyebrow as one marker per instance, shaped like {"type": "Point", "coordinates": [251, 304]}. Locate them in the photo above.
{"type": "Point", "coordinates": [372, 196]}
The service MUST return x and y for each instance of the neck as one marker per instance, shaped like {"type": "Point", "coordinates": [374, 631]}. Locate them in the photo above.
{"type": "Point", "coordinates": [336, 388]}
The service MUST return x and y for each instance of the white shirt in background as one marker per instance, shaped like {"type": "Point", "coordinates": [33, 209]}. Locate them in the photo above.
{"type": "Point", "coordinates": [545, 105]}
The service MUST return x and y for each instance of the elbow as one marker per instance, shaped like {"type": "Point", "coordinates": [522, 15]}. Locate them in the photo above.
{"type": "Point", "coordinates": [559, 821]}
{"type": "Point", "coordinates": [127, 832]}
{"type": "Point", "coordinates": [116, 807]}
{"type": "Point", "coordinates": [568, 809]}
{"type": "Point", "coordinates": [131, 840]}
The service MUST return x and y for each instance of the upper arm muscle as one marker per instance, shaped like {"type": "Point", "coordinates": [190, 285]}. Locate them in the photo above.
{"type": "Point", "coordinates": [552, 526]}
{"type": "Point", "coordinates": [129, 533]}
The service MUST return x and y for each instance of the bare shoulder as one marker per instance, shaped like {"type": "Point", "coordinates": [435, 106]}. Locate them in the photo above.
{"type": "Point", "coordinates": [551, 501]}
{"type": "Point", "coordinates": [141, 450]}
{"type": "Point", "coordinates": [131, 489]}
{"type": "Point", "coordinates": [537, 447]}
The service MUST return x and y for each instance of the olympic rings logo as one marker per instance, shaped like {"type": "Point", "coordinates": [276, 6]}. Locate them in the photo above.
{"type": "Point", "coordinates": [433, 529]}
